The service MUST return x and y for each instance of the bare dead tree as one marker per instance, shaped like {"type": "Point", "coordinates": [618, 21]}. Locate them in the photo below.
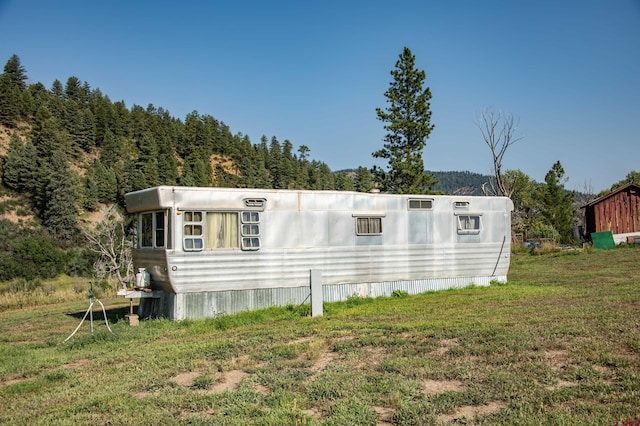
{"type": "Point", "coordinates": [109, 240]}
{"type": "Point", "coordinates": [498, 131]}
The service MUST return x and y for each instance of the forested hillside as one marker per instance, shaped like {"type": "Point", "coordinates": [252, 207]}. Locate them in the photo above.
{"type": "Point", "coordinates": [460, 183]}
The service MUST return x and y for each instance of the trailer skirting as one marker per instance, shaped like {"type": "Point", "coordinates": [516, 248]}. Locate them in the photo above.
{"type": "Point", "coordinates": [215, 303]}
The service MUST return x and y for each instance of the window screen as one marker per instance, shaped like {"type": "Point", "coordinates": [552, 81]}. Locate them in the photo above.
{"type": "Point", "coordinates": [468, 224]}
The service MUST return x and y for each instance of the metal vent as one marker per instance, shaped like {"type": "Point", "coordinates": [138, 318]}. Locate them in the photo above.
{"type": "Point", "coordinates": [420, 204]}
{"type": "Point", "coordinates": [255, 202]}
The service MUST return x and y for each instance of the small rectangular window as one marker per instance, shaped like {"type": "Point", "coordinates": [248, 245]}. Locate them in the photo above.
{"type": "Point", "coordinates": [250, 230]}
{"type": "Point", "coordinates": [461, 204]}
{"type": "Point", "coordinates": [420, 204]}
{"type": "Point", "coordinates": [193, 237]}
{"type": "Point", "coordinates": [152, 229]}
{"type": "Point", "coordinates": [250, 217]}
{"type": "Point", "coordinates": [368, 225]}
{"type": "Point", "coordinates": [250, 243]}
{"type": "Point", "coordinates": [468, 224]}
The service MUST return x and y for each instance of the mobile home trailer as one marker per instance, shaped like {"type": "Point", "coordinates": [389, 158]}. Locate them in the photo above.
{"type": "Point", "coordinates": [203, 252]}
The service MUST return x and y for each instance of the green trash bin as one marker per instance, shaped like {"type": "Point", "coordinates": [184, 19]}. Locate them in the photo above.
{"type": "Point", "coordinates": [603, 240]}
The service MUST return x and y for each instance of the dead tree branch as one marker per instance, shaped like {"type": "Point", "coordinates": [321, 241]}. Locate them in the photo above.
{"type": "Point", "coordinates": [498, 131]}
{"type": "Point", "coordinates": [109, 240]}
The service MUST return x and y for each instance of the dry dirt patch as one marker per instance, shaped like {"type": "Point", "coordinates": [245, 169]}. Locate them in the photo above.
{"type": "Point", "coordinates": [325, 358]}
{"type": "Point", "coordinates": [185, 379]}
{"type": "Point", "coordinates": [385, 415]}
{"type": "Point", "coordinates": [10, 382]}
{"type": "Point", "coordinates": [434, 387]}
{"type": "Point", "coordinates": [230, 381]}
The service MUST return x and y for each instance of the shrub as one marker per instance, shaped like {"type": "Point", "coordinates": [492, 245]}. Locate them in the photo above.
{"type": "Point", "coordinates": [38, 256]}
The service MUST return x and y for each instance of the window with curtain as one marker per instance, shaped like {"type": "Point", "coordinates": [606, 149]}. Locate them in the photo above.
{"type": "Point", "coordinates": [368, 225]}
{"type": "Point", "coordinates": [222, 230]}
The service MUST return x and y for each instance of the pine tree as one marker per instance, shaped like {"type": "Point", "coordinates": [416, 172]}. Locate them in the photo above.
{"type": "Point", "coordinates": [363, 180]}
{"type": "Point", "coordinates": [12, 172]}
{"type": "Point", "coordinates": [344, 182]}
{"type": "Point", "coordinates": [60, 215]}
{"type": "Point", "coordinates": [111, 152]}
{"type": "Point", "coordinates": [148, 161]}
{"type": "Point", "coordinates": [557, 204]}
{"type": "Point", "coordinates": [408, 121]}
{"type": "Point", "coordinates": [167, 164]}
{"type": "Point", "coordinates": [16, 73]}
{"type": "Point", "coordinates": [10, 102]}
{"type": "Point", "coordinates": [12, 86]}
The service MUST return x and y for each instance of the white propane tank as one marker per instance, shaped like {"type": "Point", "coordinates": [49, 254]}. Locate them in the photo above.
{"type": "Point", "coordinates": [143, 279]}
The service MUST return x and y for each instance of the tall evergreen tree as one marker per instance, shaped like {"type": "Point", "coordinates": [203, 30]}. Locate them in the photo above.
{"type": "Point", "coordinates": [12, 172]}
{"type": "Point", "coordinates": [12, 86]}
{"type": "Point", "coordinates": [557, 205]}
{"type": "Point", "coordinates": [344, 182]}
{"type": "Point", "coordinates": [112, 149]}
{"type": "Point", "coordinates": [148, 160]}
{"type": "Point", "coordinates": [57, 89]}
{"type": "Point", "coordinates": [16, 73]}
{"type": "Point", "coordinates": [60, 213]}
{"type": "Point", "coordinates": [363, 180]}
{"type": "Point", "coordinates": [408, 119]}
{"type": "Point", "coordinates": [10, 102]}
{"type": "Point", "coordinates": [73, 90]}
{"type": "Point", "coordinates": [167, 163]}
{"type": "Point", "coordinates": [275, 164]}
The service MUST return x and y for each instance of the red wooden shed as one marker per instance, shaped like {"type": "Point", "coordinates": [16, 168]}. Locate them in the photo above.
{"type": "Point", "coordinates": [617, 211]}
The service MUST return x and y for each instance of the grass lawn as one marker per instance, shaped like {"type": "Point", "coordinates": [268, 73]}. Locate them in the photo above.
{"type": "Point", "coordinates": [558, 344]}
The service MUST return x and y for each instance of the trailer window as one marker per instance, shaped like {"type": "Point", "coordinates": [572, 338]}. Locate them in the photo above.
{"type": "Point", "coordinates": [159, 229]}
{"type": "Point", "coordinates": [152, 228]}
{"type": "Point", "coordinates": [250, 230]}
{"type": "Point", "coordinates": [368, 225]}
{"type": "Point", "coordinates": [222, 230]}
{"type": "Point", "coordinates": [468, 224]}
{"type": "Point", "coordinates": [193, 225]}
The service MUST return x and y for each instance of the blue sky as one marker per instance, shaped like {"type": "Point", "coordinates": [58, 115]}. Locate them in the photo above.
{"type": "Point", "coordinates": [314, 72]}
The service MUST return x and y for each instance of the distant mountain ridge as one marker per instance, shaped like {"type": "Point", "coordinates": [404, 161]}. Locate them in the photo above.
{"type": "Point", "coordinates": [460, 183]}
{"type": "Point", "coordinates": [450, 182]}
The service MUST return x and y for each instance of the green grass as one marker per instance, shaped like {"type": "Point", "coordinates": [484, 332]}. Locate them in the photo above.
{"type": "Point", "coordinates": [558, 344]}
